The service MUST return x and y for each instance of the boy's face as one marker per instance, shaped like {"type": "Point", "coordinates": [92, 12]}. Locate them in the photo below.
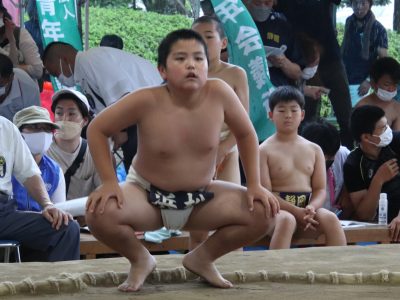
{"type": "Point", "coordinates": [287, 116]}
{"type": "Point", "coordinates": [386, 83]}
{"type": "Point", "coordinates": [212, 38]}
{"type": "Point", "coordinates": [186, 65]}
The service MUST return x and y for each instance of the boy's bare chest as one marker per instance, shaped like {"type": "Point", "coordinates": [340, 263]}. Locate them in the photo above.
{"type": "Point", "coordinates": [287, 163]}
{"type": "Point", "coordinates": [173, 131]}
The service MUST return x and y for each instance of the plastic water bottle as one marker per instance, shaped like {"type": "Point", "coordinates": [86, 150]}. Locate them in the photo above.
{"type": "Point", "coordinates": [383, 208]}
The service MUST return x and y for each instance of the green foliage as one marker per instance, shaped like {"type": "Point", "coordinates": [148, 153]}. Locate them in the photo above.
{"type": "Point", "coordinates": [141, 31]}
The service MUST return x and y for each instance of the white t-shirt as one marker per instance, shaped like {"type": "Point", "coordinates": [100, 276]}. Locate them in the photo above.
{"type": "Point", "coordinates": [337, 168]}
{"type": "Point", "coordinates": [24, 93]}
{"type": "Point", "coordinates": [112, 73]}
{"type": "Point", "coordinates": [85, 179]}
{"type": "Point", "coordinates": [15, 157]}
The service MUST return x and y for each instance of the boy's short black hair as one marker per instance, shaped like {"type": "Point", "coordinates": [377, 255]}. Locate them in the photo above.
{"type": "Point", "coordinates": [166, 44]}
{"type": "Point", "coordinates": [385, 66]}
{"type": "Point", "coordinates": [285, 93]}
{"type": "Point", "coordinates": [113, 41]}
{"type": "Point", "coordinates": [212, 20]}
{"type": "Point", "coordinates": [6, 66]}
{"type": "Point", "coordinates": [324, 134]}
{"type": "Point", "coordinates": [364, 119]}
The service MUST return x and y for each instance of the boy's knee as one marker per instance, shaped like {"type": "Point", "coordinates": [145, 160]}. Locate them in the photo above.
{"type": "Point", "coordinates": [261, 220]}
{"type": "Point", "coordinates": [326, 217]}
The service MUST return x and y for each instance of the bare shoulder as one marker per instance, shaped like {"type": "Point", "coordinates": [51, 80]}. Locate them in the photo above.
{"type": "Point", "coordinates": [267, 145]}
{"type": "Point", "coordinates": [309, 145]}
{"type": "Point", "coordinates": [233, 73]}
{"type": "Point", "coordinates": [363, 101]}
{"type": "Point", "coordinates": [396, 105]}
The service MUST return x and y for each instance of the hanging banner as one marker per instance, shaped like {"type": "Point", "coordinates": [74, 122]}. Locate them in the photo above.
{"type": "Point", "coordinates": [59, 22]}
{"type": "Point", "coordinates": [246, 49]}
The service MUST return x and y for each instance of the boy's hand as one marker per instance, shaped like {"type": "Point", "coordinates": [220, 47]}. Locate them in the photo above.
{"type": "Point", "coordinates": [364, 88]}
{"type": "Point", "coordinates": [97, 200]}
{"type": "Point", "coordinates": [305, 218]}
{"type": "Point", "coordinates": [394, 227]}
{"type": "Point", "coordinates": [309, 218]}
{"type": "Point", "coordinates": [269, 201]}
{"type": "Point", "coordinates": [387, 171]}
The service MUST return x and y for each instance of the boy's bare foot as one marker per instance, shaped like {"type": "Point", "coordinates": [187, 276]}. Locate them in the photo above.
{"type": "Point", "coordinates": [138, 274]}
{"type": "Point", "coordinates": [206, 270]}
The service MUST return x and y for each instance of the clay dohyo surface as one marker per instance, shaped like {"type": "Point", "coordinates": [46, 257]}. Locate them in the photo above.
{"type": "Point", "coordinates": [350, 259]}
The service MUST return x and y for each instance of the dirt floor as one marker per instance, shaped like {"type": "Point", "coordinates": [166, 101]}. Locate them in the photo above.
{"type": "Point", "coordinates": [351, 259]}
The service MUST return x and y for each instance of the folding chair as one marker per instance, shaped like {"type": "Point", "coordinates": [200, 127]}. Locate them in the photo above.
{"type": "Point", "coordinates": [7, 245]}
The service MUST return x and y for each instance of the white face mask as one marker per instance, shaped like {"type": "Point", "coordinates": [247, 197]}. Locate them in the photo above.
{"type": "Point", "coordinates": [309, 72]}
{"type": "Point", "coordinates": [259, 13]}
{"type": "Point", "coordinates": [64, 80]}
{"type": "Point", "coordinates": [386, 138]}
{"type": "Point", "coordinates": [68, 130]}
{"type": "Point", "coordinates": [1, 22]}
{"type": "Point", "coordinates": [2, 90]}
{"type": "Point", "coordinates": [38, 142]}
{"type": "Point", "coordinates": [385, 95]}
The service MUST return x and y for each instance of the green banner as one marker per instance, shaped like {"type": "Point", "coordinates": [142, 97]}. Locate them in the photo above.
{"type": "Point", "coordinates": [59, 22]}
{"type": "Point", "coordinates": [246, 49]}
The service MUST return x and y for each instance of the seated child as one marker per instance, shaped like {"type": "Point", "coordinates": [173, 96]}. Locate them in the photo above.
{"type": "Point", "coordinates": [294, 169]}
{"type": "Point", "coordinates": [385, 75]}
{"type": "Point", "coordinates": [372, 168]}
{"type": "Point", "coordinates": [170, 182]}
{"type": "Point", "coordinates": [327, 136]}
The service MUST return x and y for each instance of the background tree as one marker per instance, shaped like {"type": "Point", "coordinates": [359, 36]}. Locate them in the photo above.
{"type": "Point", "coordinates": [396, 16]}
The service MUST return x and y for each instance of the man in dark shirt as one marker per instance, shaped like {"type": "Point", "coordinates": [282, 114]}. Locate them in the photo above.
{"type": "Point", "coordinates": [372, 168]}
{"type": "Point", "coordinates": [314, 18]}
{"type": "Point", "coordinates": [276, 31]}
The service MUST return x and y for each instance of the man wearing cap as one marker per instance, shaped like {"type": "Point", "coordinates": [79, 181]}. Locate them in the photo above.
{"type": "Point", "coordinates": [104, 75]}
{"type": "Point", "coordinates": [36, 127]}
{"type": "Point", "coordinates": [52, 232]}
{"type": "Point", "coordinates": [71, 114]}
{"type": "Point", "coordinates": [17, 89]}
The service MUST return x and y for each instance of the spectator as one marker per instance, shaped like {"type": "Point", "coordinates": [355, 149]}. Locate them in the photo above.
{"type": "Point", "coordinates": [365, 40]}
{"type": "Point", "coordinates": [385, 75]}
{"type": "Point", "coordinates": [373, 167]}
{"type": "Point", "coordinates": [275, 31]}
{"type": "Point", "coordinates": [17, 89]}
{"type": "Point", "coordinates": [314, 18]}
{"type": "Point", "coordinates": [18, 44]}
{"type": "Point", "coordinates": [113, 41]}
{"type": "Point", "coordinates": [36, 127]}
{"type": "Point", "coordinates": [105, 75]}
{"type": "Point", "coordinates": [52, 232]}
{"type": "Point", "coordinates": [71, 113]}
{"type": "Point", "coordinates": [327, 137]}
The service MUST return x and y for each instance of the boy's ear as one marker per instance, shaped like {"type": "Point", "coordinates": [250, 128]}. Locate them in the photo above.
{"type": "Point", "coordinates": [368, 138]}
{"type": "Point", "coordinates": [162, 72]}
{"type": "Point", "coordinates": [270, 114]}
{"type": "Point", "coordinates": [303, 113]}
{"type": "Point", "coordinates": [224, 43]}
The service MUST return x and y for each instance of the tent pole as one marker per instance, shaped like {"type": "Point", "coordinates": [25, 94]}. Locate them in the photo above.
{"type": "Point", "coordinates": [86, 24]}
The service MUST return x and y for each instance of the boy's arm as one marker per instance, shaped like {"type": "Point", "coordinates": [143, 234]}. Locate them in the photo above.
{"type": "Point", "coordinates": [239, 123]}
{"type": "Point", "coordinates": [111, 120]}
{"type": "Point", "coordinates": [366, 201]}
{"type": "Point", "coordinates": [241, 89]}
{"type": "Point", "coordinates": [318, 180]}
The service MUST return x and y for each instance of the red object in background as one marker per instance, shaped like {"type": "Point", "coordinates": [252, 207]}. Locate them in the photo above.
{"type": "Point", "coordinates": [45, 97]}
